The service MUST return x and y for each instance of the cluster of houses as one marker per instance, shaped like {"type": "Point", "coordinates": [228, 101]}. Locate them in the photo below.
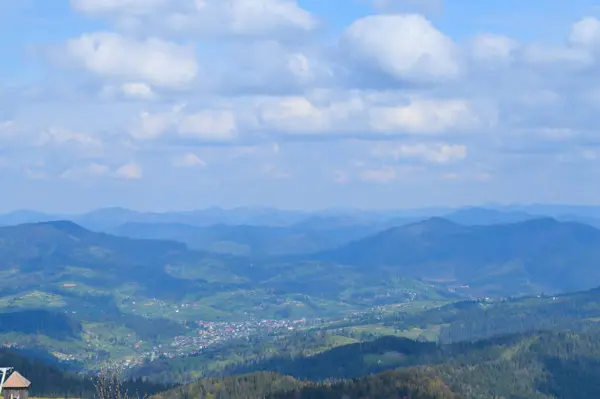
{"type": "Point", "coordinates": [15, 386]}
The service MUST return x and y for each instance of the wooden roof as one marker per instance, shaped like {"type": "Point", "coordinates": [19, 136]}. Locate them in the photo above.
{"type": "Point", "coordinates": [16, 381]}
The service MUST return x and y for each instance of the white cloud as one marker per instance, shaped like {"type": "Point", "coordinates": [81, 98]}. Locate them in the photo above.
{"type": "Point", "coordinates": [130, 171]}
{"type": "Point", "coordinates": [392, 77]}
{"type": "Point", "coordinates": [367, 113]}
{"type": "Point", "coordinates": [206, 125]}
{"type": "Point", "coordinates": [435, 153]}
{"type": "Point", "coordinates": [149, 61]}
{"type": "Point", "coordinates": [297, 114]}
{"type": "Point", "coordinates": [586, 33]}
{"type": "Point", "coordinates": [138, 90]}
{"type": "Point", "coordinates": [426, 116]}
{"type": "Point", "coordinates": [150, 126]}
{"type": "Point", "coordinates": [188, 160]}
{"type": "Point", "coordinates": [203, 17]}
{"type": "Point", "coordinates": [406, 47]}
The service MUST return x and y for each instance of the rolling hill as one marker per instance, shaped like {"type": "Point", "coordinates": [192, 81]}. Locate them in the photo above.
{"type": "Point", "coordinates": [248, 240]}
{"type": "Point", "coordinates": [109, 218]}
{"type": "Point", "coordinates": [116, 296]}
{"type": "Point", "coordinates": [474, 216]}
{"type": "Point", "coordinates": [533, 256]}
{"type": "Point", "coordinates": [63, 259]}
{"type": "Point", "coordinates": [411, 384]}
{"type": "Point", "coordinates": [539, 365]}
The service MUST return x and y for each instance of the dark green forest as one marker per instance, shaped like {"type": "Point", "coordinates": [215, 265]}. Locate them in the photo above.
{"type": "Point", "coordinates": [536, 365]}
{"type": "Point", "coordinates": [410, 384]}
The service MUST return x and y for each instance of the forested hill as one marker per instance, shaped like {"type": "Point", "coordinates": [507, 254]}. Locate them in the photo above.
{"type": "Point", "coordinates": [534, 366]}
{"type": "Point", "coordinates": [532, 256]}
{"type": "Point", "coordinates": [410, 384]}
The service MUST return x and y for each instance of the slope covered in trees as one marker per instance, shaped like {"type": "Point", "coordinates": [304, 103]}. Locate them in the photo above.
{"type": "Point", "coordinates": [546, 365]}
{"type": "Point", "coordinates": [410, 384]}
{"type": "Point", "coordinates": [520, 258]}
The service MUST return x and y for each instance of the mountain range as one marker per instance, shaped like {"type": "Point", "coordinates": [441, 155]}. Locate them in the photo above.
{"type": "Point", "coordinates": [65, 261]}
{"type": "Point", "coordinates": [541, 365]}
{"type": "Point", "coordinates": [538, 255]}
{"type": "Point", "coordinates": [110, 218]}
{"type": "Point", "coordinates": [133, 286]}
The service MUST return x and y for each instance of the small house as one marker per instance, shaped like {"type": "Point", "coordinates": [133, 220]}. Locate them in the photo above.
{"type": "Point", "coordinates": [16, 387]}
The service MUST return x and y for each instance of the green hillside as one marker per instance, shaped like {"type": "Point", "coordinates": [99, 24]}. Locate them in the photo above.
{"type": "Point", "coordinates": [247, 240]}
{"type": "Point", "coordinates": [99, 296]}
{"type": "Point", "coordinates": [460, 321]}
{"type": "Point", "coordinates": [532, 256]}
{"type": "Point", "coordinates": [412, 384]}
{"type": "Point", "coordinates": [543, 365]}
{"type": "Point", "coordinates": [91, 297]}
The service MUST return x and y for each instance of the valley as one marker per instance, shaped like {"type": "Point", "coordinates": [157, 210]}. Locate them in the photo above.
{"type": "Point", "coordinates": [159, 308]}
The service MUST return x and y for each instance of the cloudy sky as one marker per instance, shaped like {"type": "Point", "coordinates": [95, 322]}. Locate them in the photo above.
{"type": "Point", "coordinates": [180, 104]}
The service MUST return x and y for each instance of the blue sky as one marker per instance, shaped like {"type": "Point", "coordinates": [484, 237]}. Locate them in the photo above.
{"type": "Point", "coordinates": [182, 104]}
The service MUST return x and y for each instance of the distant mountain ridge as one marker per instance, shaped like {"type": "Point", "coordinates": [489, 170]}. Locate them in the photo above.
{"type": "Point", "coordinates": [473, 216]}
{"type": "Point", "coordinates": [251, 240]}
{"type": "Point", "coordinates": [518, 258]}
{"type": "Point", "coordinates": [111, 217]}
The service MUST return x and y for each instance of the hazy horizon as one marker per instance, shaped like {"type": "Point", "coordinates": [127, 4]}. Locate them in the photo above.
{"type": "Point", "coordinates": [503, 207]}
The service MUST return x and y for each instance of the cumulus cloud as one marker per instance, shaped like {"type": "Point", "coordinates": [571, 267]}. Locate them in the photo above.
{"type": "Point", "coordinates": [204, 17]}
{"type": "Point", "coordinates": [170, 80]}
{"type": "Point", "coordinates": [586, 33]}
{"type": "Point", "coordinates": [204, 125]}
{"type": "Point", "coordinates": [148, 61]}
{"type": "Point", "coordinates": [425, 116]}
{"type": "Point", "coordinates": [137, 90]}
{"type": "Point", "coordinates": [407, 47]}
{"type": "Point", "coordinates": [368, 114]}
